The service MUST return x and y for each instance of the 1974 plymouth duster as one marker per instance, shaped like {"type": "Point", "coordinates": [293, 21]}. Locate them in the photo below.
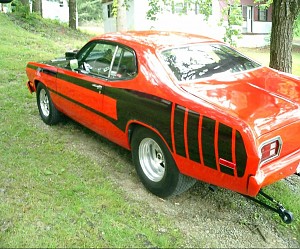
{"type": "Point", "coordinates": [187, 107]}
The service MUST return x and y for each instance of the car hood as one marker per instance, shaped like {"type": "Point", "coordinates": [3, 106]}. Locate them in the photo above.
{"type": "Point", "coordinates": [264, 98]}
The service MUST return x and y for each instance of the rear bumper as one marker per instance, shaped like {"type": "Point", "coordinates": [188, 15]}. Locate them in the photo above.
{"type": "Point", "coordinates": [274, 172]}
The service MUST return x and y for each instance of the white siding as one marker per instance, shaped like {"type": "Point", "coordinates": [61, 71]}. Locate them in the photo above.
{"type": "Point", "coordinates": [58, 10]}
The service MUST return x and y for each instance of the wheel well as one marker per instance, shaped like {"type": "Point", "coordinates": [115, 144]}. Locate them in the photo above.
{"type": "Point", "coordinates": [134, 125]}
{"type": "Point", "coordinates": [131, 128]}
{"type": "Point", "coordinates": [36, 82]}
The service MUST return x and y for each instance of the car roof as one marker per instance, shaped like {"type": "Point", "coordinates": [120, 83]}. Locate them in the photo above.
{"type": "Point", "coordinates": [155, 39]}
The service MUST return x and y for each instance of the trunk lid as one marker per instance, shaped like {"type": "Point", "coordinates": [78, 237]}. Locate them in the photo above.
{"type": "Point", "coordinates": [264, 98]}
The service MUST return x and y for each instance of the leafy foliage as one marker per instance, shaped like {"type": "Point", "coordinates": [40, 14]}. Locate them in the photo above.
{"type": "Point", "coordinates": [157, 6]}
{"type": "Point", "coordinates": [21, 9]}
{"type": "Point", "coordinates": [89, 10]}
{"type": "Point", "coordinates": [233, 17]}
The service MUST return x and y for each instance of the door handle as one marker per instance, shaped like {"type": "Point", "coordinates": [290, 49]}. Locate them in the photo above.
{"type": "Point", "coordinates": [99, 87]}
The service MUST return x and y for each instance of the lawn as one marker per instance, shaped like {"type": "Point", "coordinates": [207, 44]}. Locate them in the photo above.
{"type": "Point", "coordinates": [51, 195]}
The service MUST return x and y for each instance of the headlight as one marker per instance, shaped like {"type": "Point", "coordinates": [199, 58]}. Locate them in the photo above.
{"type": "Point", "coordinates": [270, 149]}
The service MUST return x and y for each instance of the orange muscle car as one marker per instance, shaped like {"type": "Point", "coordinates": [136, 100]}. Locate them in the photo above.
{"type": "Point", "coordinates": [188, 107]}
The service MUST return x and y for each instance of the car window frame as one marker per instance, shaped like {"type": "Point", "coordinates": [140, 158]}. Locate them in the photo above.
{"type": "Point", "coordinates": [87, 49]}
{"type": "Point", "coordinates": [171, 73]}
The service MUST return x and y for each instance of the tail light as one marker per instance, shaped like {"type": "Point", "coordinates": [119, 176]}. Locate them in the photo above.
{"type": "Point", "coordinates": [270, 149]}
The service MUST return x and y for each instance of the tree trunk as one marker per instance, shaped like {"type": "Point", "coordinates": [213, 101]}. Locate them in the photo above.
{"type": "Point", "coordinates": [121, 17]}
{"type": "Point", "coordinates": [73, 14]}
{"type": "Point", "coordinates": [37, 6]}
{"type": "Point", "coordinates": [283, 17]}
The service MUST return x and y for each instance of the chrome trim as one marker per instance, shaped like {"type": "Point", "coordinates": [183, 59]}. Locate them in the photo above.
{"type": "Point", "coordinates": [278, 138]}
{"type": "Point", "coordinates": [298, 169]}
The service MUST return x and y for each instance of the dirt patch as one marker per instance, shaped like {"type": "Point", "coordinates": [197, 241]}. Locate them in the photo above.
{"type": "Point", "coordinates": [208, 219]}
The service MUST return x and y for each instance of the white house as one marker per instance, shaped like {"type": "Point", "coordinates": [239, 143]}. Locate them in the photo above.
{"type": "Point", "coordinates": [256, 26]}
{"type": "Point", "coordinates": [56, 9]}
{"type": "Point", "coordinates": [52, 9]}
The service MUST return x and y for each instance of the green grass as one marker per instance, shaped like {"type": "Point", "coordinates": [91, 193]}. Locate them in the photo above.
{"type": "Point", "coordinates": [290, 198]}
{"type": "Point", "coordinates": [51, 195]}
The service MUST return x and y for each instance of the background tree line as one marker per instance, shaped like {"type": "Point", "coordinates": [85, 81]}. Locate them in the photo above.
{"type": "Point", "coordinates": [284, 20]}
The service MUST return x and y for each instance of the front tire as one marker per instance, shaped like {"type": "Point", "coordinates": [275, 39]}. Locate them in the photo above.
{"type": "Point", "coordinates": [48, 112]}
{"type": "Point", "coordinates": [155, 165]}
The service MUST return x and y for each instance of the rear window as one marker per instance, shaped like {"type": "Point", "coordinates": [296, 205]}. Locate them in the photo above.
{"type": "Point", "coordinates": [205, 60]}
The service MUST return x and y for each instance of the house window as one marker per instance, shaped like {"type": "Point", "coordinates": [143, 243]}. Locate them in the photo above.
{"type": "Point", "coordinates": [110, 10]}
{"type": "Point", "coordinates": [262, 14]}
{"type": "Point", "coordinates": [244, 9]}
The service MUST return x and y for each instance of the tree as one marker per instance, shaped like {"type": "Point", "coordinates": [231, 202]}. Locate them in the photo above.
{"type": "Point", "coordinates": [119, 11]}
{"type": "Point", "coordinates": [283, 18]}
{"type": "Point", "coordinates": [37, 6]}
{"type": "Point", "coordinates": [73, 14]}
{"type": "Point", "coordinates": [121, 16]}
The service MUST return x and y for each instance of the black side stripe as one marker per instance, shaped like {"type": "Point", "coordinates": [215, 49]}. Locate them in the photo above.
{"type": "Point", "coordinates": [159, 121]}
{"type": "Point", "coordinates": [79, 104]}
{"type": "Point", "coordinates": [43, 70]}
{"type": "Point", "coordinates": [32, 66]}
{"type": "Point", "coordinates": [179, 130]}
{"type": "Point", "coordinates": [225, 147]}
{"type": "Point", "coordinates": [79, 82]}
{"type": "Point", "coordinates": [208, 137]}
{"type": "Point", "coordinates": [193, 135]}
{"type": "Point", "coordinates": [241, 155]}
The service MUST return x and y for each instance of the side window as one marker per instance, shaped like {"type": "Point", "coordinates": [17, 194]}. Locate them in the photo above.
{"type": "Point", "coordinates": [96, 60]}
{"type": "Point", "coordinates": [108, 60]}
{"type": "Point", "coordinates": [124, 66]}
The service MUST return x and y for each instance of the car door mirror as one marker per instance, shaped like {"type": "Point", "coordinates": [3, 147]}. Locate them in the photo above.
{"type": "Point", "coordinates": [74, 64]}
{"type": "Point", "coordinates": [70, 54]}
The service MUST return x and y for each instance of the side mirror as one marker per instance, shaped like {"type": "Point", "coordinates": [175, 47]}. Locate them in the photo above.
{"type": "Point", "coordinates": [74, 64]}
{"type": "Point", "coordinates": [71, 54]}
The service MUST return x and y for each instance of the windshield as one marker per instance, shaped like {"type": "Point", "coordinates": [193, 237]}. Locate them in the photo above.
{"type": "Point", "coordinates": [205, 60]}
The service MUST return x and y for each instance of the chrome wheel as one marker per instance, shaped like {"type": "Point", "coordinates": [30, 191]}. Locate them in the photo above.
{"type": "Point", "coordinates": [48, 112]}
{"type": "Point", "coordinates": [44, 103]}
{"type": "Point", "coordinates": [152, 159]}
{"type": "Point", "coordinates": [155, 165]}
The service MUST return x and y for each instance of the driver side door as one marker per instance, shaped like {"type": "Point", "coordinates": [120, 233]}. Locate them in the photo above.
{"type": "Point", "coordinates": [80, 90]}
